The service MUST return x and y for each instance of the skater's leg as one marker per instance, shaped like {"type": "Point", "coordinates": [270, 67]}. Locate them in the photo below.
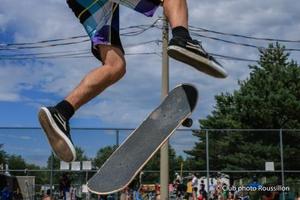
{"type": "Point", "coordinates": [182, 47]}
{"type": "Point", "coordinates": [176, 12]}
{"type": "Point", "coordinates": [99, 79]}
{"type": "Point", "coordinates": [55, 120]}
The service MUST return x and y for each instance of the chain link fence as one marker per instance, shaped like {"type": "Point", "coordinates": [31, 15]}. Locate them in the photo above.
{"type": "Point", "coordinates": [236, 156]}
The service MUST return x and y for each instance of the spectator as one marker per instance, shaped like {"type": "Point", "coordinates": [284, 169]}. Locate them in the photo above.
{"type": "Point", "coordinates": [271, 195]}
{"type": "Point", "coordinates": [6, 193]}
{"type": "Point", "coordinates": [125, 195]}
{"type": "Point", "coordinates": [212, 189]}
{"type": "Point", "coordinates": [254, 184]}
{"type": "Point", "coordinates": [231, 196]}
{"type": "Point", "coordinates": [189, 190]}
{"type": "Point", "coordinates": [202, 189]}
{"type": "Point", "coordinates": [137, 195]}
{"type": "Point", "coordinates": [47, 196]}
{"type": "Point", "coordinates": [64, 186]}
{"type": "Point", "coordinates": [181, 188]}
{"type": "Point", "coordinates": [225, 192]}
{"type": "Point", "coordinates": [157, 191]}
{"type": "Point", "coordinates": [195, 186]}
{"type": "Point", "coordinates": [178, 178]}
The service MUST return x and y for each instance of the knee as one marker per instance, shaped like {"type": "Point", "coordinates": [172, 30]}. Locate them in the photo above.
{"type": "Point", "coordinates": [117, 69]}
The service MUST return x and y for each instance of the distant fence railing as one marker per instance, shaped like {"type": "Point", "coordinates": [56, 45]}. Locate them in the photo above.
{"type": "Point", "coordinates": [215, 147]}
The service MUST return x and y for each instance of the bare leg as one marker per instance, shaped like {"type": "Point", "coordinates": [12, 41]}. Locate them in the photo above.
{"type": "Point", "coordinates": [176, 12]}
{"type": "Point", "coordinates": [113, 69]}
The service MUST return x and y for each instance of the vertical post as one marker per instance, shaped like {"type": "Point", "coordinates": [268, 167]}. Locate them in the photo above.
{"type": "Point", "coordinates": [164, 152]}
{"type": "Point", "coordinates": [282, 161]}
{"type": "Point", "coordinates": [118, 144]}
{"type": "Point", "coordinates": [87, 197]}
{"type": "Point", "coordinates": [51, 174]}
{"type": "Point", "coordinates": [207, 161]}
{"type": "Point", "coordinates": [117, 137]}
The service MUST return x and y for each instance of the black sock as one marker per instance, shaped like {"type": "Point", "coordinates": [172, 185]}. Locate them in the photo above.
{"type": "Point", "coordinates": [181, 32]}
{"type": "Point", "coordinates": [65, 109]}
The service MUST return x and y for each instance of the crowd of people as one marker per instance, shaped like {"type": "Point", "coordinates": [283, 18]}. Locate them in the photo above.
{"type": "Point", "coordinates": [218, 189]}
{"type": "Point", "coordinates": [188, 188]}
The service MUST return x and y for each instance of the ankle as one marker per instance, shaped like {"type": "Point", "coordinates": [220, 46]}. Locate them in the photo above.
{"type": "Point", "coordinates": [65, 109]}
{"type": "Point", "coordinates": [181, 32]}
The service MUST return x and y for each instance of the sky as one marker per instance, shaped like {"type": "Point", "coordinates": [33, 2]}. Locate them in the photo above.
{"type": "Point", "coordinates": [25, 85]}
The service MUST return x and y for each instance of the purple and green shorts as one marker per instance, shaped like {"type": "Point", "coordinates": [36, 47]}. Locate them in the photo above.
{"type": "Point", "coordinates": [100, 19]}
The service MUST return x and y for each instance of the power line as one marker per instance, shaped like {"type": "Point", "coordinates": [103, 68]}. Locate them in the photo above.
{"type": "Point", "coordinates": [45, 46]}
{"type": "Point", "coordinates": [194, 28]}
{"type": "Point", "coordinates": [71, 55]}
{"type": "Point", "coordinates": [224, 57]}
{"type": "Point", "coordinates": [237, 43]}
{"type": "Point", "coordinates": [141, 29]}
{"type": "Point", "coordinates": [58, 53]}
{"type": "Point", "coordinates": [28, 45]}
{"type": "Point", "coordinates": [86, 54]}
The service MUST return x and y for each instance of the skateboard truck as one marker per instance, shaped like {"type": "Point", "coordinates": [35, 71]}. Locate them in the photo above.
{"type": "Point", "coordinates": [188, 122]}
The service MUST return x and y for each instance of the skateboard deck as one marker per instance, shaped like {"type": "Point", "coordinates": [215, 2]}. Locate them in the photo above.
{"type": "Point", "coordinates": [140, 146]}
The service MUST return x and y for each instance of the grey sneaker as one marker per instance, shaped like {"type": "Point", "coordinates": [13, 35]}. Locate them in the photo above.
{"type": "Point", "coordinates": [192, 53]}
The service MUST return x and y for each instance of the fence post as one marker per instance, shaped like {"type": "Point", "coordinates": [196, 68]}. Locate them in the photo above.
{"type": "Point", "coordinates": [117, 137]}
{"type": "Point", "coordinates": [117, 143]}
{"type": "Point", "coordinates": [51, 174]}
{"type": "Point", "coordinates": [207, 162]}
{"type": "Point", "coordinates": [282, 161]}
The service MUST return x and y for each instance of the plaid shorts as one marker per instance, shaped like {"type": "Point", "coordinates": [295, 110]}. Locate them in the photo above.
{"type": "Point", "coordinates": [100, 18]}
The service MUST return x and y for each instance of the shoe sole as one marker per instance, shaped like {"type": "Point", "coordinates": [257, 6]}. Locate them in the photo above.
{"type": "Point", "coordinates": [200, 63]}
{"type": "Point", "coordinates": [60, 143]}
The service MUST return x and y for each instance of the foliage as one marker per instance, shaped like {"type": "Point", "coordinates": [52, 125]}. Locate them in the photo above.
{"type": "Point", "coordinates": [268, 99]}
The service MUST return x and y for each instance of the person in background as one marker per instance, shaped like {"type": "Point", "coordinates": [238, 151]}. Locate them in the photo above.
{"type": "Point", "coordinates": [47, 196]}
{"type": "Point", "coordinates": [6, 193]}
{"type": "Point", "coordinates": [211, 189]}
{"type": "Point", "coordinates": [189, 190]}
{"type": "Point", "coordinates": [195, 186]}
{"type": "Point", "coordinates": [202, 190]}
{"type": "Point", "coordinates": [254, 184]}
{"type": "Point", "coordinates": [64, 185]}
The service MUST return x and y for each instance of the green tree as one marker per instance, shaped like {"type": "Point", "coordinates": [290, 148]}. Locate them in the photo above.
{"type": "Point", "coordinates": [102, 155]}
{"type": "Point", "coordinates": [16, 162]}
{"type": "Point", "coordinates": [3, 155]}
{"type": "Point", "coordinates": [268, 99]}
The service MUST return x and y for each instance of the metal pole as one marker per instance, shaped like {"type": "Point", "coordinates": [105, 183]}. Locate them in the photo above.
{"type": "Point", "coordinates": [164, 152]}
{"type": "Point", "coordinates": [282, 162]}
{"type": "Point", "coordinates": [207, 162]}
{"type": "Point", "coordinates": [118, 144]}
{"type": "Point", "coordinates": [51, 174]}
{"type": "Point", "coordinates": [117, 138]}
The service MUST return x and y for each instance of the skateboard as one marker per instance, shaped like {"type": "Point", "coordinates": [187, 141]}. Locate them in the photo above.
{"type": "Point", "coordinates": [140, 146]}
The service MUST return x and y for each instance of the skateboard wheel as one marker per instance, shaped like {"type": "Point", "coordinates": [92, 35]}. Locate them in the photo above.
{"type": "Point", "coordinates": [188, 122]}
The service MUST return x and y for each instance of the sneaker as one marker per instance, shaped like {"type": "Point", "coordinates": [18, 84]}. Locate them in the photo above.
{"type": "Point", "coordinates": [192, 53]}
{"type": "Point", "coordinates": [58, 133]}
